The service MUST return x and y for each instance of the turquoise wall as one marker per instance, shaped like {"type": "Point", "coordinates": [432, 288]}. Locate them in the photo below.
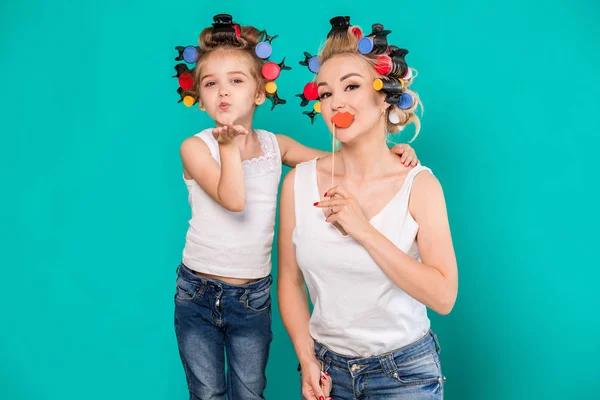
{"type": "Point", "coordinates": [94, 211]}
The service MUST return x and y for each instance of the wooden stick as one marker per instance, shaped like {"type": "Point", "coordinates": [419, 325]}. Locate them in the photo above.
{"type": "Point", "coordinates": [332, 154]}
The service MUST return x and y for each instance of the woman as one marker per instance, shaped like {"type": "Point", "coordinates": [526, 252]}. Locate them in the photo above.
{"type": "Point", "coordinates": [375, 249]}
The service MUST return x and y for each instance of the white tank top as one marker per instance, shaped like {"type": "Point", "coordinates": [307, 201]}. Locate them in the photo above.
{"type": "Point", "coordinates": [358, 311]}
{"type": "Point", "coordinates": [235, 244]}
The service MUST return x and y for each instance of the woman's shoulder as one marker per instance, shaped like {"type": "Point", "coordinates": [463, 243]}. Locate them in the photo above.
{"type": "Point", "coordinates": [324, 164]}
{"type": "Point", "coordinates": [303, 171]}
{"type": "Point", "coordinates": [421, 172]}
{"type": "Point", "coordinates": [424, 182]}
{"type": "Point", "coordinates": [315, 161]}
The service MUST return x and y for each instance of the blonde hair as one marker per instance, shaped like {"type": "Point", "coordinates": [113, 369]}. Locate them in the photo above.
{"type": "Point", "coordinates": [346, 42]}
{"type": "Point", "coordinates": [244, 45]}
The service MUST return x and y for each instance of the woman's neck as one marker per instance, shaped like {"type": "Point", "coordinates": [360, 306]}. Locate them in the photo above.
{"type": "Point", "coordinates": [366, 157]}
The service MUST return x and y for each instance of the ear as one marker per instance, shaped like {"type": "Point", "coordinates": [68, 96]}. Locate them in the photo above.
{"type": "Point", "coordinates": [385, 106]}
{"type": "Point", "coordinates": [261, 97]}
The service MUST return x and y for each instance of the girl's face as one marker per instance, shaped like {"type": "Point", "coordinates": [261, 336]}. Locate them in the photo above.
{"type": "Point", "coordinates": [228, 89]}
{"type": "Point", "coordinates": [345, 84]}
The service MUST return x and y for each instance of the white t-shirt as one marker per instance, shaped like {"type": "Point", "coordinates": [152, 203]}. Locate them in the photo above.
{"type": "Point", "coordinates": [358, 311]}
{"type": "Point", "coordinates": [235, 244]}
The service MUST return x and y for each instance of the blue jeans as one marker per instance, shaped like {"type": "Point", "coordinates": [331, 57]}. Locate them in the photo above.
{"type": "Point", "coordinates": [213, 318]}
{"type": "Point", "coordinates": [409, 373]}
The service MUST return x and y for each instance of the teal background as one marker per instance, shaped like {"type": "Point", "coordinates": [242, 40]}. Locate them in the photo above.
{"type": "Point", "coordinates": [94, 211]}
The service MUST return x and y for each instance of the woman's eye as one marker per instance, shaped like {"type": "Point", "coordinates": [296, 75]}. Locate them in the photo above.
{"type": "Point", "coordinates": [324, 95]}
{"type": "Point", "coordinates": [352, 87]}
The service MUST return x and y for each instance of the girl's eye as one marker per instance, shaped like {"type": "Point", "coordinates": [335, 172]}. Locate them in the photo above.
{"type": "Point", "coordinates": [210, 84]}
{"type": "Point", "coordinates": [324, 95]}
{"type": "Point", "coordinates": [237, 80]}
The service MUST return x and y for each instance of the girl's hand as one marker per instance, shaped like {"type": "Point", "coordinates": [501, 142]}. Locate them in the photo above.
{"type": "Point", "coordinates": [227, 134]}
{"type": "Point", "coordinates": [407, 154]}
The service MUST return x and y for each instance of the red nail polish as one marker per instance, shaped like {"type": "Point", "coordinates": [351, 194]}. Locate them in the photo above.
{"type": "Point", "coordinates": [327, 373]}
{"type": "Point", "coordinates": [321, 398]}
{"type": "Point", "coordinates": [325, 195]}
{"type": "Point", "coordinates": [316, 204]}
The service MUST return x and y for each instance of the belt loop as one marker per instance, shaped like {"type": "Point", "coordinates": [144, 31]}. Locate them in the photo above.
{"type": "Point", "coordinates": [388, 364]}
{"type": "Point", "coordinates": [178, 269]}
{"type": "Point", "coordinates": [436, 341]}
{"type": "Point", "coordinates": [322, 352]}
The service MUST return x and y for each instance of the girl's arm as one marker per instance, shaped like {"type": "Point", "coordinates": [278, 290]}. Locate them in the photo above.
{"type": "Point", "coordinates": [294, 153]}
{"type": "Point", "coordinates": [225, 183]}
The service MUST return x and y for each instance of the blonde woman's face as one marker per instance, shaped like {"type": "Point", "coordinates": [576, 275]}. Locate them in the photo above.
{"type": "Point", "coordinates": [345, 84]}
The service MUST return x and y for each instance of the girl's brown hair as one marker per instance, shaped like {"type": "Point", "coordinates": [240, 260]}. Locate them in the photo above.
{"type": "Point", "coordinates": [244, 45]}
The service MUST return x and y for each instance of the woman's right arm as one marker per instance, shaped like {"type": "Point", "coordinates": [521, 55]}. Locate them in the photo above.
{"type": "Point", "coordinates": [224, 183]}
{"type": "Point", "coordinates": [292, 296]}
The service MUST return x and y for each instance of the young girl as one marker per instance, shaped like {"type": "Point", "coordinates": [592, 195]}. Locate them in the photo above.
{"type": "Point", "coordinates": [232, 172]}
{"type": "Point", "coordinates": [374, 247]}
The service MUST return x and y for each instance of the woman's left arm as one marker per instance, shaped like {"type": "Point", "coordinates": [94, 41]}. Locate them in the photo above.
{"type": "Point", "coordinates": [434, 280]}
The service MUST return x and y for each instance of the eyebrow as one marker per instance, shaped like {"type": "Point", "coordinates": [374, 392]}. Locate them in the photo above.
{"type": "Point", "coordinates": [237, 72]}
{"type": "Point", "coordinates": [342, 78]}
{"type": "Point", "coordinates": [229, 73]}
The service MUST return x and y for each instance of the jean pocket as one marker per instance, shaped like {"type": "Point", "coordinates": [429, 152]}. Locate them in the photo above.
{"type": "Point", "coordinates": [258, 301]}
{"type": "Point", "coordinates": [422, 371]}
{"type": "Point", "coordinates": [185, 291]}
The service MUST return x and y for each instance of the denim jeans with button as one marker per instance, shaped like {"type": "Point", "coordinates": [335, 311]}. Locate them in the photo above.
{"type": "Point", "coordinates": [217, 324]}
{"type": "Point", "coordinates": [409, 373]}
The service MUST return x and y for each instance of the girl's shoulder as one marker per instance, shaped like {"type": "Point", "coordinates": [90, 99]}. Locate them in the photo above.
{"type": "Point", "coordinates": [268, 141]}
{"type": "Point", "coordinates": [201, 142]}
{"type": "Point", "coordinates": [205, 134]}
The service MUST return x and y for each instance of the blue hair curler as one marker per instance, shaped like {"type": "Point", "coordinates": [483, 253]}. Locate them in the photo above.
{"type": "Point", "coordinates": [406, 101]}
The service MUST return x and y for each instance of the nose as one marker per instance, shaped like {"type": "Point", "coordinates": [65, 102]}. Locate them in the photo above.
{"type": "Point", "coordinates": [337, 103]}
{"type": "Point", "coordinates": [223, 92]}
